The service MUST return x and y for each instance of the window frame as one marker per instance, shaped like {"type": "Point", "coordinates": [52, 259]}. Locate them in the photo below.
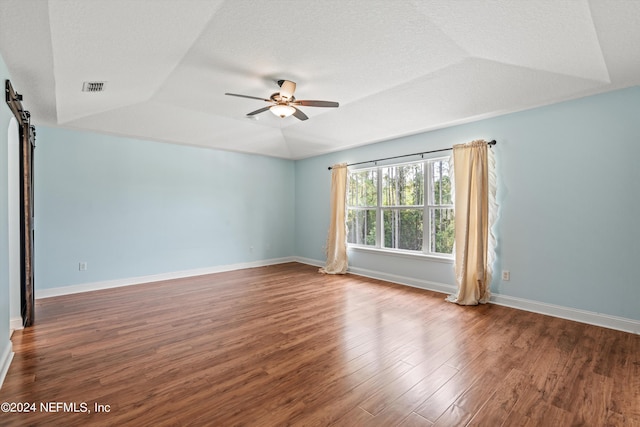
{"type": "Point", "coordinates": [426, 206]}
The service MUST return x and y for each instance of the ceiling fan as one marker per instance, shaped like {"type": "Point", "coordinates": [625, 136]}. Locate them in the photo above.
{"type": "Point", "coordinates": [284, 104]}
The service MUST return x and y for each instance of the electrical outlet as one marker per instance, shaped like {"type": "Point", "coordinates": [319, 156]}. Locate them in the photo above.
{"type": "Point", "coordinates": [506, 275]}
{"type": "Point", "coordinates": [82, 266]}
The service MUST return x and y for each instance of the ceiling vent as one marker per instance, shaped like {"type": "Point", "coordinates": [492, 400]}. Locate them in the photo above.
{"type": "Point", "coordinates": [93, 86]}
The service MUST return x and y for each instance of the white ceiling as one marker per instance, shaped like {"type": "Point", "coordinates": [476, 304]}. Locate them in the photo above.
{"type": "Point", "coordinates": [396, 67]}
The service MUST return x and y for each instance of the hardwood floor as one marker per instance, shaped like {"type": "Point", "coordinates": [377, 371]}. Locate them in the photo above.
{"type": "Point", "coordinates": [285, 345]}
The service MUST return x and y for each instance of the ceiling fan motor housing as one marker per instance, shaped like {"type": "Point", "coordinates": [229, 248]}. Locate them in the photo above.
{"type": "Point", "coordinates": [287, 88]}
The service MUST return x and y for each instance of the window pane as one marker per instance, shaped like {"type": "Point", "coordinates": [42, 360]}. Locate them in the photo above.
{"type": "Point", "coordinates": [363, 188]}
{"type": "Point", "coordinates": [403, 229]}
{"type": "Point", "coordinates": [361, 226]}
{"type": "Point", "coordinates": [441, 191]}
{"type": "Point", "coordinates": [403, 185]}
{"type": "Point", "coordinates": [442, 230]}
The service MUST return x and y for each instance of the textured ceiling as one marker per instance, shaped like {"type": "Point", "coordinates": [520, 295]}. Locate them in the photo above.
{"type": "Point", "coordinates": [396, 67]}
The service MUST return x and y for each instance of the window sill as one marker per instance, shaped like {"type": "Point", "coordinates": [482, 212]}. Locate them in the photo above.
{"type": "Point", "coordinates": [402, 254]}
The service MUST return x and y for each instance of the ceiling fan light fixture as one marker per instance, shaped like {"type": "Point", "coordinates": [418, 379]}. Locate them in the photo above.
{"type": "Point", "coordinates": [282, 110]}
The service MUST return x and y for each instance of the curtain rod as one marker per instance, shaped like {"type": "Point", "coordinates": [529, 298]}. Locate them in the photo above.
{"type": "Point", "coordinates": [490, 144]}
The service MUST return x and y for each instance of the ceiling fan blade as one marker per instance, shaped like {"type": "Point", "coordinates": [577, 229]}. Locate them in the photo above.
{"type": "Point", "coordinates": [247, 96]}
{"type": "Point", "coordinates": [300, 115]}
{"type": "Point", "coordinates": [261, 110]}
{"type": "Point", "coordinates": [308, 103]}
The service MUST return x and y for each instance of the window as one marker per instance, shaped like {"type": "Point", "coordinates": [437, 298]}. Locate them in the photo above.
{"type": "Point", "coordinates": [388, 207]}
{"type": "Point", "coordinates": [362, 205]}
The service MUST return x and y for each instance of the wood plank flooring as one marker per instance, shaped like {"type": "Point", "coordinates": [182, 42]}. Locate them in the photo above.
{"type": "Point", "coordinates": [285, 345]}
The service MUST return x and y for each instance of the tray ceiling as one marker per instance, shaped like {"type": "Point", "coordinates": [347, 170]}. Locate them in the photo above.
{"type": "Point", "coordinates": [397, 68]}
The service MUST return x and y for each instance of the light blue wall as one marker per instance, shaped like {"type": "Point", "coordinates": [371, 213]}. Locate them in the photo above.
{"type": "Point", "coordinates": [132, 208]}
{"type": "Point", "coordinates": [5, 116]}
{"type": "Point", "coordinates": [569, 185]}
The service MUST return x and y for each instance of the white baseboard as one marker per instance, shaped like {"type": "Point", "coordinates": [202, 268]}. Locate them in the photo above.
{"type": "Point", "coordinates": [309, 261]}
{"type": "Point", "coordinates": [577, 315]}
{"type": "Point", "coordinates": [108, 284]}
{"type": "Point", "coordinates": [15, 324]}
{"type": "Point", "coordinates": [404, 280]}
{"type": "Point", "coordinates": [5, 362]}
{"type": "Point", "coordinates": [393, 278]}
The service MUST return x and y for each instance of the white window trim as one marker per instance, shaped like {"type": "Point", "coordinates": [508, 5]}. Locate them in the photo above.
{"type": "Point", "coordinates": [447, 259]}
{"type": "Point", "coordinates": [428, 203]}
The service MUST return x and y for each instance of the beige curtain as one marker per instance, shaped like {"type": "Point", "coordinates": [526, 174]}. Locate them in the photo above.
{"type": "Point", "coordinates": [337, 239]}
{"type": "Point", "coordinates": [475, 212]}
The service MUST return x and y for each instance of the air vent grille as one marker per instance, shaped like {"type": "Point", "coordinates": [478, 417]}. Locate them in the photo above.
{"type": "Point", "coordinates": [93, 86]}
